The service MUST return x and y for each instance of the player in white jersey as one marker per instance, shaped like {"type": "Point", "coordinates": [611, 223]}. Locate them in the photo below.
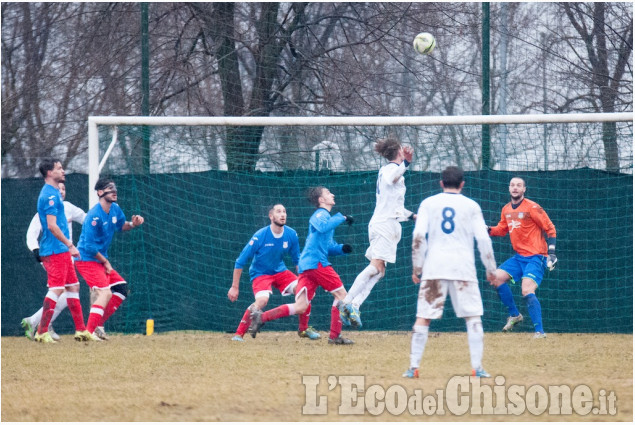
{"type": "Point", "coordinates": [33, 233]}
{"type": "Point", "coordinates": [444, 262]}
{"type": "Point", "coordinates": [384, 228]}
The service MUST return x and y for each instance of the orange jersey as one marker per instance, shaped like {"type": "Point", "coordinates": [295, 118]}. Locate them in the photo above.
{"type": "Point", "coordinates": [525, 226]}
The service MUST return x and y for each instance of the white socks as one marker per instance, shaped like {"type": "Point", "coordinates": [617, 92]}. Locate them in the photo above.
{"type": "Point", "coordinates": [418, 345]}
{"type": "Point", "coordinates": [59, 307]}
{"type": "Point", "coordinates": [362, 286]}
{"type": "Point", "coordinates": [475, 340]}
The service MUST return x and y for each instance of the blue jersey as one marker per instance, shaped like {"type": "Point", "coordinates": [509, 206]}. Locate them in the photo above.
{"type": "Point", "coordinates": [98, 230]}
{"type": "Point", "coordinates": [267, 252]}
{"type": "Point", "coordinates": [50, 203]}
{"type": "Point", "coordinates": [319, 243]}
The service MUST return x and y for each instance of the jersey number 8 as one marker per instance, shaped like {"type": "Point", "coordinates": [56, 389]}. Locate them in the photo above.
{"type": "Point", "coordinates": [447, 224]}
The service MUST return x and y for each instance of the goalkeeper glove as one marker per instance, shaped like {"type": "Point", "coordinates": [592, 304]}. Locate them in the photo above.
{"type": "Point", "coordinates": [349, 219]}
{"type": "Point", "coordinates": [36, 254]}
{"type": "Point", "coordinates": [551, 259]}
{"type": "Point", "coordinates": [347, 249]}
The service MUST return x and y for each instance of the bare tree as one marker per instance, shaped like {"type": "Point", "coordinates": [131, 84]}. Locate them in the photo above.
{"type": "Point", "coordinates": [604, 60]}
{"type": "Point", "coordinates": [62, 62]}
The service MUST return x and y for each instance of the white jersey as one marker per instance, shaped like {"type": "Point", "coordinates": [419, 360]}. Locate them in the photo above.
{"type": "Point", "coordinates": [452, 222]}
{"type": "Point", "coordinates": [34, 231]}
{"type": "Point", "coordinates": [390, 194]}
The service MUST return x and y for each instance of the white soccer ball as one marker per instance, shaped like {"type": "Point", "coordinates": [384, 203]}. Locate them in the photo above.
{"type": "Point", "coordinates": [424, 43]}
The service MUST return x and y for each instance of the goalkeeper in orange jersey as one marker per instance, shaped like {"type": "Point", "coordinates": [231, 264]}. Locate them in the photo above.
{"type": "Point", "coordinates": [525, 221]}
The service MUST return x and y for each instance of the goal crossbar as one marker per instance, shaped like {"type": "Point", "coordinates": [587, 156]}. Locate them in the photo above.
{"type": "Point", "coordinates": [364, 120]}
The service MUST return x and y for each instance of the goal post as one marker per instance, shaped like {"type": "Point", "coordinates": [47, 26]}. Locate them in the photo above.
{"type": "Point", "coordinates": [200, 211]}
{"type": "Point", "coordinates": [95, 163]}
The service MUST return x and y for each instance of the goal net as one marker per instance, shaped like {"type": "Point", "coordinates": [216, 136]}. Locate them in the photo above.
{"type": "Point", "coordinates": [204, 185]}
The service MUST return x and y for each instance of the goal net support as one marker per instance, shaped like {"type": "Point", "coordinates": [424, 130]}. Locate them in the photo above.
{"type": "Point", "coordinates": [204, 185]}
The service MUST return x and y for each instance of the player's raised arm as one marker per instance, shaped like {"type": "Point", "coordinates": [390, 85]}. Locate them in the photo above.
{"type": "Point", "coordinates": [325, 222]}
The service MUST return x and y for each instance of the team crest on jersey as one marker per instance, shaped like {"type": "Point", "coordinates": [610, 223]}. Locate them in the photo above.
{"type": "Point", "coordinates": [51, 202]}
{"type": "Point", "coordinates": [114, 220]}
{"type": "Point", "coordinates": [93, 223]}
{"type": "Point", "coordinates": [285, 245]}
{"type": "Point", "coordinates": [521, 215]}
{"type": "Point", "coordinates": [251, 242]}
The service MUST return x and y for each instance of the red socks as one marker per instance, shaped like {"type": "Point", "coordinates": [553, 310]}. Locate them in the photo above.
{"type": "Point", "coordinates": [244, 323]}
{"type": "Point", "coordinates": [336, 323]}
{"type": "Point", "coordinates": [95, 318]}
{"type": "Point", "coordinates": [74, 306]}
{"type": "Point", "coordinates": [276, 313]}
{"type": "Point", "coordinates": [50, 301]}
{"type": "Point", "coordinates": [304, 319]}
{"type": "Point", "coordinates": [113, 305]}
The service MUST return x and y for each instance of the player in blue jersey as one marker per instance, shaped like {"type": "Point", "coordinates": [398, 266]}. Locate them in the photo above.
{"type": "Point", "coordinates": [314, 267]}
{"type": "Point", "coordinates": [33, 233]}
{"type": "Point", "coordinates": [100, 225]}
{"type": "Point", "coordinates": [267, 248]}
{"type": "Point", "coordinates": [56, 250]}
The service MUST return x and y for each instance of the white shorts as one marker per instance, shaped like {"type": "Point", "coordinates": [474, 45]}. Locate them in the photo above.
{"type": "Point", "coordinates": [384, 238]}
{"type": "Point", "coordinates": [465, 296]}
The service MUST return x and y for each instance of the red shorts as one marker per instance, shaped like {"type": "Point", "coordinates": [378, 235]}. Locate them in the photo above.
{"type": "Point", "coordinates": [281, 281]}
{"type": "Point", "coordinates": [95, 274]}
{"type": "Point", "coordinates": [60, 270]}
{"type": "Point", "coordinates": [326, 277]}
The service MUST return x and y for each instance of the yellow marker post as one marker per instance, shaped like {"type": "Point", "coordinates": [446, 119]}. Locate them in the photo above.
{"type": "Point", "coordinates": [149, 326]}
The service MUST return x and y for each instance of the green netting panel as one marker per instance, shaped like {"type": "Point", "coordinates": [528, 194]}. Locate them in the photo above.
{"type": "Point", "coordinates": [198, 218]}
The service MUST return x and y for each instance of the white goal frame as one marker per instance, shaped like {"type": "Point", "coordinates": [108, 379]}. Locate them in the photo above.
{"type": "Point", "coordinates": [95, 164]}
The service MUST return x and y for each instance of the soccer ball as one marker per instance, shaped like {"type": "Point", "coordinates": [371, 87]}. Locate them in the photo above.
{"type": "Point", "coordinates": [424, 43]}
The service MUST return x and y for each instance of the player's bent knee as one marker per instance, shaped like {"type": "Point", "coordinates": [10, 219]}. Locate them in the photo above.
{"type": "Point", "coordinates": [421, 322]}
{"type": "Point", "coordinates": [300, 308]}
{"type": "Point", "coordinates": [261, 302]}
{"type": "Point", "coordinates": [528, 287]}
{"type": "Point", "coordinates": [103, 296]}
{"type": "Point", "coordinates": [380, 265]}
{"type": "Point", "coordinates": [501, 277]}
{"type": "Point", "coordinates": [340, 293]}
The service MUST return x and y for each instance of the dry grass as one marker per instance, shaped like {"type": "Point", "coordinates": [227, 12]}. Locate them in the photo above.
{"type": "Point", "coordinates": [196, 376]}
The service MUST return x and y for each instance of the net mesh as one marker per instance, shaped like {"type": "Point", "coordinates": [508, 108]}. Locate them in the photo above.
{"type": "Point", "coordinates": [201, 210]}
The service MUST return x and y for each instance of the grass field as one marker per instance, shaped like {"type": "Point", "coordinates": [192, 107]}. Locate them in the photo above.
{"type": "Point", "coordinates": [199, 376]}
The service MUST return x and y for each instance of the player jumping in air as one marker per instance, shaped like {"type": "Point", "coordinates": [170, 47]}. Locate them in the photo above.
{"type": "Point", "coordinates": [315, 269]}
{"type": "Point", "coordinates": [525, 221]}
{"type": "Point", "coordinates": [444, 262]}
{"type": "Point", "coordinates": [100, 225]}
{"type": "Point", "coordinates": [384, 228]}
{"type": "Point", "coordinates": [33, 233]}
{"type": "Point", "coordinates": [267, 247]}
{"type": "Point", "coordinates": [56, 250]}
